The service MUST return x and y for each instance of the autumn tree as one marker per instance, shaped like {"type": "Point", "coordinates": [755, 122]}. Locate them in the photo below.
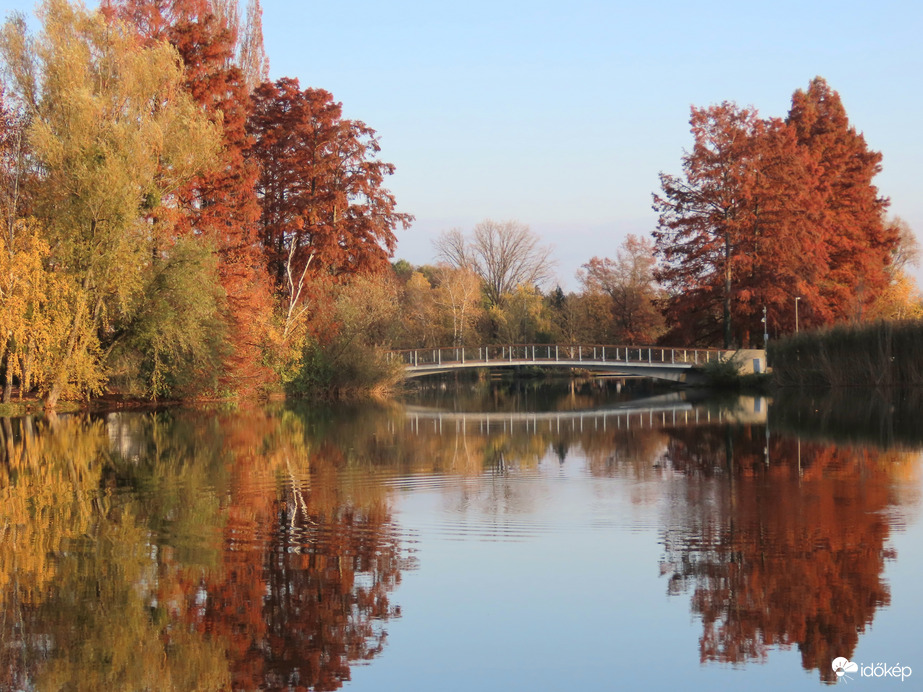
{"type": "Point", "coordinates": [417, 297]}
{"type": "Point", "coordinates": [115, 134]}
{"type": "Point", "coordinates": [749, 225]}
{"type": "Point", "coordinates": [35, 303]}
{"type": "Point", "coordinates": [628, 283]}
{"type": "Point", "coordinates": [729, 233]}
{"type": "Point", "coordinates": [345, 351]}
{"type": "Point", "coordinates": [220, 204]}
{"type": "Point", "coordinates": [324, 207]}
{"type": "Point", "coordinates": [458, 296]}
{"type": "Point", "coordinates": [14, 172]}
{"type": "Point", "coordinates": [582, 317]}
{"type": "Point", "coordinates": [901, 298]}
{"type": "Point", "coordinates": [506, 255]}
{"type": "Point", "coordinates": [848, 214]}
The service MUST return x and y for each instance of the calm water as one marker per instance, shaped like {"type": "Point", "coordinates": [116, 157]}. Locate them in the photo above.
{"type": "Point", "coordinates": [505, 538]}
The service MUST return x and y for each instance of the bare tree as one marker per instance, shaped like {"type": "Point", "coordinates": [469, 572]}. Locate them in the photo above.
{"type": "Point", "coordinates": [907, 252]}
{"type": "Point", "coordinates": [249, 51]}
{"type": "Point", "coordinates": [252, 53]}
{"type": "Point", "coordinates": [458, 294]}
{"type": "Point", "coordinates": [453, 248]}
{"type": "Point", "coordinates": [504, 254]}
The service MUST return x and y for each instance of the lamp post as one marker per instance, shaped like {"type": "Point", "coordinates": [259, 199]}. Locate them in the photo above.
{"type": "Point", "coordinates": [765, 328]}
{"type": "Point", "coordinates": [797, 298]}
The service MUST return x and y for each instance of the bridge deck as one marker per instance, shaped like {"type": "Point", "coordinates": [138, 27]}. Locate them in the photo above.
{"type": "Point", "coordinates": [649, 361]}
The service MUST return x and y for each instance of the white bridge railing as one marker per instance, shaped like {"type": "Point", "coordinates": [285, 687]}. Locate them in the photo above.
{"type": "Point", "coordinates": [475, 356]}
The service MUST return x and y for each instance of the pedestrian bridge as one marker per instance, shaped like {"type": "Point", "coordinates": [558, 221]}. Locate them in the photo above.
{"type": "Point", "coordinates": [675, 364]}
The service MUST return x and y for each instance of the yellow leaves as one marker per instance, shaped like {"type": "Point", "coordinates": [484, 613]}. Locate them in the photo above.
{"type": "Point", "coordinates": [521, 315]}
{"type": "Point", "coordinates": [901, 300]}
{"type": "Point", "coordinates": [37, 314]}
{"type": "Point", "coordinates": [45, 501]}
{"type": "Point", "coordinates": [113, 132]}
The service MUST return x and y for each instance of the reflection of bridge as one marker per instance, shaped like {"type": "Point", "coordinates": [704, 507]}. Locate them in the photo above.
{"type": "Point", "coordinates": [646, 414]}
{"type": "Point", "coordinates": [676, 364]}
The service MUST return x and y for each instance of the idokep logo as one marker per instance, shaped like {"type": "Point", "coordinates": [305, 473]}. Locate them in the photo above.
{"type": "Point", "coordinates": [843, 666]}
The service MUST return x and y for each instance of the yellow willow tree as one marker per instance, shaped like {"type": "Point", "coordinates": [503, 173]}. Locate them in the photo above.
{"type": "Point", "coordinates": [34, 302]}
{"type": "Point", "coordinates": [114, 134]}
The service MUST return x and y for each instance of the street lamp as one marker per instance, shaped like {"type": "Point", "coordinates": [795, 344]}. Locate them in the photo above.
{"type": "Point", "coordinates": [797, 298]}
{"type": "Point", "coordinates": [765, 328]}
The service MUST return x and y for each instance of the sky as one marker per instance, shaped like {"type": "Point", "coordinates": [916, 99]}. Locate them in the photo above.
{"type": "Point", "coordinates": [561, 115]}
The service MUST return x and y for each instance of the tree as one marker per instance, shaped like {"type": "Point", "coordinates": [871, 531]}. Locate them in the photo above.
{"type": "Point", "coordinates": [14, 172]}
{"type": "Point", "coordinates": [901, 299]}
{"type": "Point", "coordinates": [251, 55]}
{"type": "Point", "coordinates": [115, 134]}
{"type": "Point", "coordinates": [523, 319]}
{"type": "Point", "coordinates": [849, 213]}
{"type": "Point", "coordinates": [703, 235]}
{"type": "Point", "coordinates": [767, 211]}
{"type": "Point", "coordinates": [459, 295]}
{"type": "Point", "coordinates": [219, 204]}
{"type": "Point", "coordinates": [325, 209]}
{"type": "Point", "coordinates": [418, 312]}
{"type": "Point", "coordinates": [628, 282]}
{"type": "Point", "coordinates": [506, 255]}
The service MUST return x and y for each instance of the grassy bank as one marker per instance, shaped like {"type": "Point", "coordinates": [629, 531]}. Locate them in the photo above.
{"type": "Point", "coordinates": [725, 375]}
{"type": "Point", "coordinates": [885, 354]}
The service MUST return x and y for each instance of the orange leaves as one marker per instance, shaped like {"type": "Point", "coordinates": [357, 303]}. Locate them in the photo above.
{"type": "Point", "coordinates": [768, 211]}
{"type": "Point", "coordinates": [321, 187]}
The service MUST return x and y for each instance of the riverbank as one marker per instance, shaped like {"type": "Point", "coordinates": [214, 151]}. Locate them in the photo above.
{"type": "Point", "coordinates": [884, 354]}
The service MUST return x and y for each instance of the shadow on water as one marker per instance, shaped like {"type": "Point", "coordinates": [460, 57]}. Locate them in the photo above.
{"type": "Point", "coordinates": [880, 417]}
{"type": "Point", "coordinates": [258, 549]}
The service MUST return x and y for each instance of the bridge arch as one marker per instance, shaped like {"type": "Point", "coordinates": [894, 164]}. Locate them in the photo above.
{"type": "Point", "coordinates": [674, 364]}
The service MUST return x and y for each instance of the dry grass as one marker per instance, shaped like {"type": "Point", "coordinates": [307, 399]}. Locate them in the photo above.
{"type": "Point", "coordinates": [884, 354]}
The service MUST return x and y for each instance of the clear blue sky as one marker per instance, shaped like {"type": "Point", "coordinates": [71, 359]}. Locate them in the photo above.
{"type": "Point", "coordinates": [560, 115]}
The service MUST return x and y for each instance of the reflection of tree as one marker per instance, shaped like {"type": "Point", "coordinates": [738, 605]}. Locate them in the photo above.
{"type": "Point", "coordinates": [305, 592]}
{"type": "Point", "coordinates": [789, 552]}
{"type": "Point", "coordinates": [76, 574]}
{"type": "Point", "coordinates": [188, 552]}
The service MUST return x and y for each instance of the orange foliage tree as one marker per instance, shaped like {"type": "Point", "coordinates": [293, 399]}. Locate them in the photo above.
{"type": "Point", "coordinates": [767, 211]}
{"type": "Point", "coordinates": [849, 213]}
{"type": "Point", "coordinates": [325, 210]}
{"type": "Point", "coordinates": [628, 284]}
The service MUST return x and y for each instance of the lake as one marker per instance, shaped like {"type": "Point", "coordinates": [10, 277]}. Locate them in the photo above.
{"type": "Point", "coordinates": [595, 535]}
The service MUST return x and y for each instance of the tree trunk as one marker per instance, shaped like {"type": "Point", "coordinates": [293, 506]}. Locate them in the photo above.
{"type": "Point", "coordinates": [727, 291]}
{"type": "Point", "coordinates": [51, 399]}
{"type": "Point", "coordinates": [6, 372]}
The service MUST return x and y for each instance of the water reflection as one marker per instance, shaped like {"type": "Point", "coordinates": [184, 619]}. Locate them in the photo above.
{"type": "Point", "coordinates": [196, 552]}
{"type": "Point", "coordinates": [260, 549]}
{"type": "Point", "coordinates": [779, 553]}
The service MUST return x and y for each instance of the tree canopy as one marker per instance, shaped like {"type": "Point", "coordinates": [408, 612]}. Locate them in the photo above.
{"type": "Point", "coordinates": [766, 211]}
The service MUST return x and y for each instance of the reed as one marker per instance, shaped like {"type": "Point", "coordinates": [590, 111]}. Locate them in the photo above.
{"type": "Point", "coordinates": [884, 354]}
